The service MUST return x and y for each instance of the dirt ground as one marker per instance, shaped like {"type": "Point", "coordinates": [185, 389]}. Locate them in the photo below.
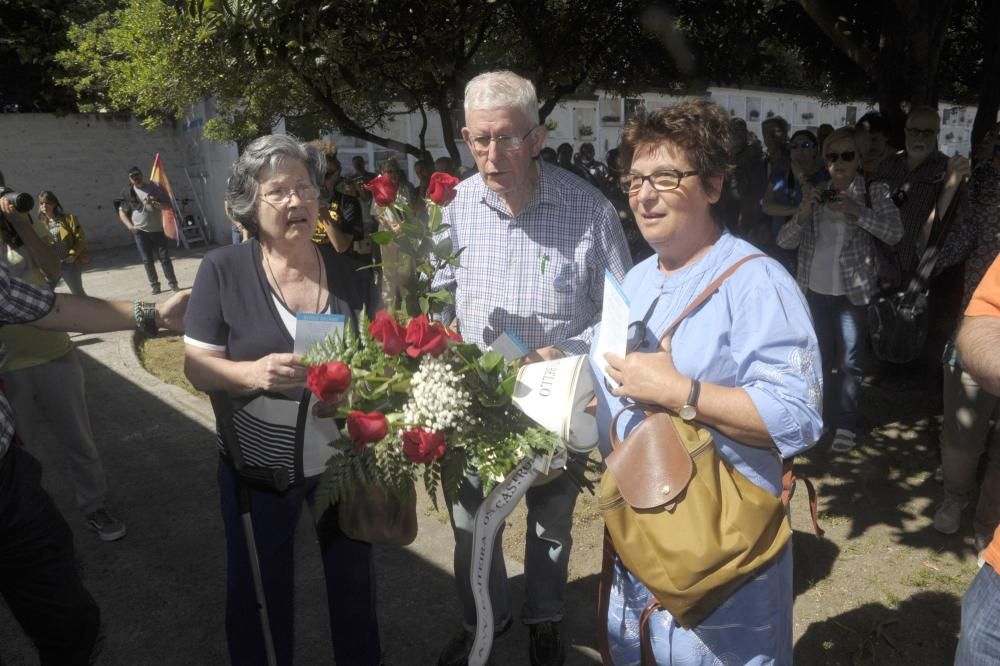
{"type": "Point", "coordinates": [883, 587]}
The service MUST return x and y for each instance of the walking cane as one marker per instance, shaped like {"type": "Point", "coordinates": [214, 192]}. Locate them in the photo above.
{"type": "Point", "coordinates": [224, 414]}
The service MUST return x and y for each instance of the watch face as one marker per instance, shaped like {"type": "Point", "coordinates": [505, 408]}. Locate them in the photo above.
{"type": "Point", "coordinates": [687, 412]}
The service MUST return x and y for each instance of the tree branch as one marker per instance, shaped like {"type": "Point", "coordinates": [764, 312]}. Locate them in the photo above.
{"type": "Point", "coordinates": [822, 15]}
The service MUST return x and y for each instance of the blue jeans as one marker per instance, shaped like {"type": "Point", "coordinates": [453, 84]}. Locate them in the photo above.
{"type": "Point", "coordinates": [546, 551]}
{"type": "Point", "coordinates": [153, 244]}
{"type": "Point", "coordinates": [979, 641]}
{"type": "Point", "coordinates": [348, 569]}
{"type": "Point", "coordinates": [71, 275]}
{"type": "Point", "coordinates": [841, 328]}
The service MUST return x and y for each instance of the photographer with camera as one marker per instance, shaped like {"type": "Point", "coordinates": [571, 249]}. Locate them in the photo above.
{"type": "Point", "coordinates": [43, 373]}
{"type": "Point", "coordinates": [833, 230]}
{"type": "Point", "coordinates": [140, 209]}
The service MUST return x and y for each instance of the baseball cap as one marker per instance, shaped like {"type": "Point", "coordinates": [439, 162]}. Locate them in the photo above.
{"type": "Point", "coordinates": [134, 171]}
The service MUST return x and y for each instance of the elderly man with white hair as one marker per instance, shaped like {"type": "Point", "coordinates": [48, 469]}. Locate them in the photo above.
{"type": "Point", "coordinates": [537, 243]}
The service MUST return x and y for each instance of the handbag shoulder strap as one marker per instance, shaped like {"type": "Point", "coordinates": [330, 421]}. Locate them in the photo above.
{"type": "Point", "coordinates": [928, 257]}
{"type": "Point", "coordinates": [708, 291]}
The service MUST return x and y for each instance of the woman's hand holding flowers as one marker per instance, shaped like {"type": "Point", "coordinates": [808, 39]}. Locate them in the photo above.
{"type": "Point", "coordinates": [277, 373]}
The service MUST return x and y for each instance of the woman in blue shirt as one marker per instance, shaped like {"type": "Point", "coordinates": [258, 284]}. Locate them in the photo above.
{"type": "Point", "coordinates": [750, 348]}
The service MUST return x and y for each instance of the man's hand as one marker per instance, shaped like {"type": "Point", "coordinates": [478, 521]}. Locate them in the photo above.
{"type": "Point", "coordinates": [543, 354]}
{"type": "Point", "coordinates": [170, 313]}
{"type": "Point", "coordinates": [21, 221]}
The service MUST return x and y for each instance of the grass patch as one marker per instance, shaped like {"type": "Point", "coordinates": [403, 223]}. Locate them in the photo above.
{"type": "Point", "coordinates": [929, 576]}
{"type": "Point", "coordinates": [163, 356]}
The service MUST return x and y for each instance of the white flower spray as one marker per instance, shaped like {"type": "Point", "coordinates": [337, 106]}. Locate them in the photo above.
{"type": "Point", "coordinates": [437, 399]}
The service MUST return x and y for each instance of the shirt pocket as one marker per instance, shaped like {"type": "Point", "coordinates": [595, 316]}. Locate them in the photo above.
{"type": "Point", "coordinates": [562, 285]}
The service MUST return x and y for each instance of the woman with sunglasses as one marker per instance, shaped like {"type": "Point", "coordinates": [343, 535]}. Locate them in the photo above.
{"type": "Point", "coordinates": [833, 230]}
{"type": "Point", "coordinates": [240, 331]}
{"type": "Point", "coordinates": [745, 365]}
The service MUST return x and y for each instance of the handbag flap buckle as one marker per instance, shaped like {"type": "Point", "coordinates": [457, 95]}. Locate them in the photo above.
{"type": "Point", "coordinates": [652, 466]}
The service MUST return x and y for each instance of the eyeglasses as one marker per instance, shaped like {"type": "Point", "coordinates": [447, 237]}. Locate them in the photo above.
{"type": "Point", "coordinates": [847, 156]}
{"type": "Point", "coordinates": [804, 145]}
{"type": "Point", "coordinates": [505, 144]}
{"type": "Point", "coordinates": [637, 331]}
{"type": "Point", "coordinates": [927, 133]}
{"type": "Point", "coordinates": [662, 181]}
{"type": "Point", "coordinates": [283, 195]}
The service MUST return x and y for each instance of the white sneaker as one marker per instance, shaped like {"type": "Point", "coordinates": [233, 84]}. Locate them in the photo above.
{"type": "Point", "coordinates": [843, 441]}
{"type": "Point", "coordinates": [981, 541]}
{"type": "Point", "coordinates": [948, 517]}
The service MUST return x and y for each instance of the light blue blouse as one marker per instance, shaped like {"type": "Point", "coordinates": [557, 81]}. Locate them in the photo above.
{"type": "Point", "coordinates": [754, 333]}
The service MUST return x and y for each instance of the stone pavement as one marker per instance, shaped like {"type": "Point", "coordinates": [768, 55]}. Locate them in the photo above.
{"type": "Point", "coordinates": [161, 589]}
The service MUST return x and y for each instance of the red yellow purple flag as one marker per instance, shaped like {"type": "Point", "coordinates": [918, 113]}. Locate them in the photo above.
{"type": "Point", "coordinates": [158, 175]}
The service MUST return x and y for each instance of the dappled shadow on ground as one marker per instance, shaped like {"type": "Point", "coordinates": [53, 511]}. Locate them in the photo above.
{"type": "Point", "coordinates": [919, 630]}
{"type": "Point", "coordinates": [889, 479]}
{"type": "Point", "coordinates": [813, 559]}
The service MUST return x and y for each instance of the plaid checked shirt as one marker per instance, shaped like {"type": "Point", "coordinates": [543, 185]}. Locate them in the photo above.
{"type": "Point", "coordinates": [538, 275]}
{"type": "Point", "coordinates": [922, 187]}
{"type": "Point", "coordinates": [20, 303]}
{"type": "Point", "coordinates": [857, 261]}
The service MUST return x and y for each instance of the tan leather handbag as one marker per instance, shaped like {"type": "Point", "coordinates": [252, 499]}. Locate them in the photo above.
{"type": "Point", "coordinates": [690, 526]}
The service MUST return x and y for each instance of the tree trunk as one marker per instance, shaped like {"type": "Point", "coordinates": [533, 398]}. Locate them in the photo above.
{"type": "Point", "coordinates": [989, 89]}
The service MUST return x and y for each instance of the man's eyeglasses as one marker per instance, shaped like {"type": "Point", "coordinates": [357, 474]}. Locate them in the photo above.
{"type": "Point", "coordinates": [802, 145]}
{"type": "Point", "coordinates": [847, 156]}
{"type": "Point", "coordinates": [283, 195]}
{"type": "Point", "coordinates": [505, 144]}
{"type": "Point", "coordinates": [662, 181]}
{"type": "Point", "coordinates": [928, 133]}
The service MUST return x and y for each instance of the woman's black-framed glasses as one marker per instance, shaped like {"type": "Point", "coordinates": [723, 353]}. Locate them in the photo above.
{"type": "Point", "coordinates": [662, 181]}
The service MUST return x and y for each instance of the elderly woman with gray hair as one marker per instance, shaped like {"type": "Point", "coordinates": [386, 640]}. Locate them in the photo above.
{"type": "Point", "coordinates": [240, 332]}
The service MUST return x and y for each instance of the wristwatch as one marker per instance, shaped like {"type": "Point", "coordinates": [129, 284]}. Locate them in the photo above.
{"type": "Point", "coordinates": [689, 410]}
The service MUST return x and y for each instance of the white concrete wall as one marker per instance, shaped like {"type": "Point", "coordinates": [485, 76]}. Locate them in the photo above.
{"type": "Point", "coordinates": [84, 159]}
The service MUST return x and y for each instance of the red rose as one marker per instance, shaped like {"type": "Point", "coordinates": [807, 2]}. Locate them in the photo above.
{"type": "Point", "coordinates": [365, 428]}
{"type": "Point", "coordinates": [382, 189]}
{"type": "Point", "coordinates": [425, 337]}
{"type": "Point", "coordinates": [421, 446]}
{"type": "Point", "coordinates": [328, 380]}
{"type": "Point", "coordinates": [388, 332]}
{"type": "Point", "coordinates": [453, 334]}
{"type": "Point", "coordinates": [441, 189]}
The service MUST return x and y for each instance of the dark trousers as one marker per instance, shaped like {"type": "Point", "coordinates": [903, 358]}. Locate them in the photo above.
{"type": "Point", "coordinates": [348, 567]}
{"type": "Point", "coordinates": [38, 573]}
{"type": "Point", "coordinates": [153, 244]}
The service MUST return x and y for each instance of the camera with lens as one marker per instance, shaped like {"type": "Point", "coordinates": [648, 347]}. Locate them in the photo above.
{"type": "Point", "coordinates": [23, 203]}
{"type": "Point", "coordinates": [826, 196]}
